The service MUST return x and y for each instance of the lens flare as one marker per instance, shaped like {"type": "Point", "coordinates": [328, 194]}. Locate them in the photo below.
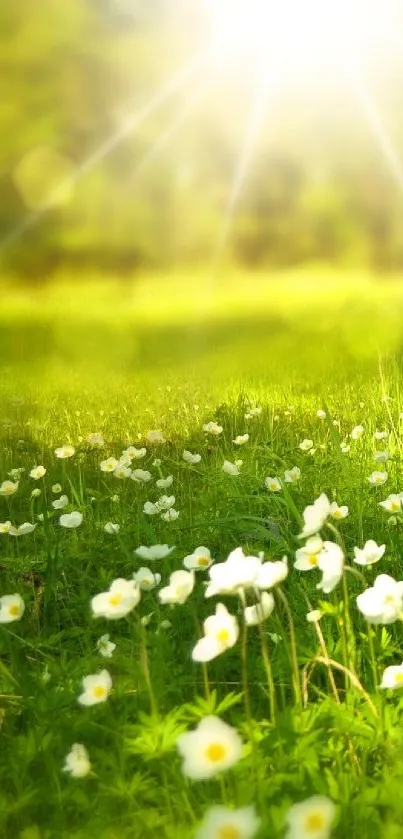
{"type": "Point", "coordinates": [301, 35]}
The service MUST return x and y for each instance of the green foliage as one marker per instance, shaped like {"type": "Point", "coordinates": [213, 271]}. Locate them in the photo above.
{"type": "Point", "coordinates": [341, 738]}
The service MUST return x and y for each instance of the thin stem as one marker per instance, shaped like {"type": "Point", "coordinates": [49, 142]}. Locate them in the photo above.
{"type": "Point", "coordinates": [269, 673]}
{"type": "Point", "coordinates": [145, 666]}
{"type": "Point", "coordinates": [293, 644]}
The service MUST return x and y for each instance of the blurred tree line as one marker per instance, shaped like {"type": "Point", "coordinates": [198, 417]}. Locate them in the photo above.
{"type": "Point", "coordinates": [74, 73]}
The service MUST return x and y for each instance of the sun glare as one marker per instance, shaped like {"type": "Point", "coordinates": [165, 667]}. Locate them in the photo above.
{"type": "Point", "coordinates": [299, 35]}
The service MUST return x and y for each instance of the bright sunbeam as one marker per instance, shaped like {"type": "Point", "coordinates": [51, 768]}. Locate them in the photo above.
{"type": "Point", "coordinates": [243, 164]}
{"type": "Point", "coordinates": [132, 122]}
{"type": "Point", "coordinates": [300, 35]}
{"type": "Point", "coordinates": [378, 129]}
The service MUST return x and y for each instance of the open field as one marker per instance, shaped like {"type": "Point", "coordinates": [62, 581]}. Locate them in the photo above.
{"type": "Point", "coordinates": [173, 355]}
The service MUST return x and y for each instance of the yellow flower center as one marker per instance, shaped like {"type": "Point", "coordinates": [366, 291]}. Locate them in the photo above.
{"type": "Point", "coordinates": [203, 561]}
{"type": "Point", "coordinates": [399, 678]}
{"type": "Point", "coordinates": [315, 822]}
{"type": "Point", "coordinates": [313, 559]}
{"type": "Point", "coordinates": [337, 514]}
{"type": "Point", "coordinates": [215, 752]}
{"type": "Point", "coordinates": [115, 599]}
{"type": "Point", "coordinates": [223, 636]}
{"type": "Point", "coordinates": [14, 611]}
{"type": "Point", "coordinates": [99, 691]}
{"type": "Point", "coordinates": [229, 831]}
{"type": "Point", "coordinates": [395, 506]}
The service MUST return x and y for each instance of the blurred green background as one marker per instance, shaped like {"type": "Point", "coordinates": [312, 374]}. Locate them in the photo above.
{"type": "Point", "coordinates": [323, 181]}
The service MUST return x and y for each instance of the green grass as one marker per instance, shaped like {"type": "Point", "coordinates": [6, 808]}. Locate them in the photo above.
{"type": "Point", "coordinates": [172, 354]}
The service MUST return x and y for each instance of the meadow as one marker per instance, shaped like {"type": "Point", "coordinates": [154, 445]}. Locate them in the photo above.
{"type": "Point", "coordinates": [183, 463]}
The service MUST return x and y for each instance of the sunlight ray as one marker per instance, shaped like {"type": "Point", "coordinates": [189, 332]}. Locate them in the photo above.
{"type": "Point", "coordinates": [378, 129]}
{"type": "Point", "coordinates": [244, 161]}
{"type": "Point", "coordinates": [131, 124]}
{"type": "Point", "coordinates": [164, 139]}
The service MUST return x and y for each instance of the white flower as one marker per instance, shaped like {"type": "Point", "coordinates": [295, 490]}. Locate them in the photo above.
{"type": "Point", "coordinates": [392, 677]}
{"type": "Point", "coordinates": [15, 474]}
{"type": "Point", "coordinates": [23, 529]}
{"type": "Point", "coordinates": [155, 437]}
{"type": "Point", "coordinates": [220, 633]}
{"type": "Point", "coordinates": [292, 475]}
{"type": "Point", "coordinates": [164, 483]}
{"type": "Point", "coordinates": [95, 688]}
{"type": "Point", "coordinates": [40, 517]}
{"type": "Point", "coordinates": [314, 616]}
{"type": "Point", "coordinates": [170, 515]}
{"type": "Point", "coordinates": [260, 611]}
{"type": "Point", "coordinates": [12, 608]}
{"type": "Point", "coordinates": [241, 439]}
{"type": "Point", "coordinates": [344, 447]}
{"type": "Point", "coordinates": [8, 487]}
{"type": "Point", "coordinates": [321, 414]}
{"type": "Point", "coordinates": [307, 557]}
{"type": "Point", "coordinates": [181, 584]}
{"type": "Point", "coordinates": [150, 509]}
{"type": "Point", "coordinates": [122, 471]}
{"type": "Point", "coordinates": [253, 412]}
{"type": "Point", "coordinates": [142, 476]}
{"type": "Point", "coordinates": [199, 560]}
{"type": "Point", "coordinates": [222, 823]}
{"type": "Point", "coordinates": [306, 445]}
{"type": "Point", "coordinates": [154, 552]}
{"type": "Point", "coordinates": [315, 516]}
{"type": "Point", "coordinates": [270, 574]}
{"type": "Point", "coordinates": [56, 488]}
{"type": "Point", "coordinates": [381, 435]}
{"type": "Point", "coordinates": [134, 453]}
{"type": "Point", "coordinates": [36, 492]}
{"type": "Point", "coordinates": [191, 458]}
{"type": "Point", "coordinates": [165, 502]}
{"type": "Point", "coordinates": [122, 597]}
{"type": "Point", "coordinates": [146, 579]}
{"type": "Point", "coordinates": [381, 457]}
{"type": "Point", "coordinates": [64, 452]}
{"type": "Point", "coordinates": [213, 428]}
{"type": "Point", "coordinates": [108, 465]}
{"type": "Point", "coordinates": [392, 504]}
{"type": "Point", "coordinates": [230, 468]}
{"type": "Point", "coordinates": [369, 554]}
{"type": "Point", "coordinates": [96, 440]}
{"type": "Point", "coordinates": [378, 478]}
{"type": "Point", "coordinates": [331, 563]}
{"type": "Point", "coordinates": [337, 512]}
{"type": "Point", "coordinates": [273, 484]}
{"type": "Point", "coordinates": [383, 602]}
{"type": "Point", "coordinates": [111, 527]}
{"type": "Point", "coordinates": [37, 473]}
{"type": "Point", "coordinates": [71, 520]}
{"type": "Point", "coordinates": [311, 819]}
{"type": "Point", "coordinates": [233, 575]}
{"type": "Point", "coordinates": [5, 527]}
{"type": "Point", "coordinates": [61, 502]}
{"type": "Point", "coordinates": [209, 749]}
{"type": "Point", "coordinates": [77, 762]}
{"type": "Point", "coordinates": [357, 432]}
{"type": "Point", "coordinates": [105, 647]}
